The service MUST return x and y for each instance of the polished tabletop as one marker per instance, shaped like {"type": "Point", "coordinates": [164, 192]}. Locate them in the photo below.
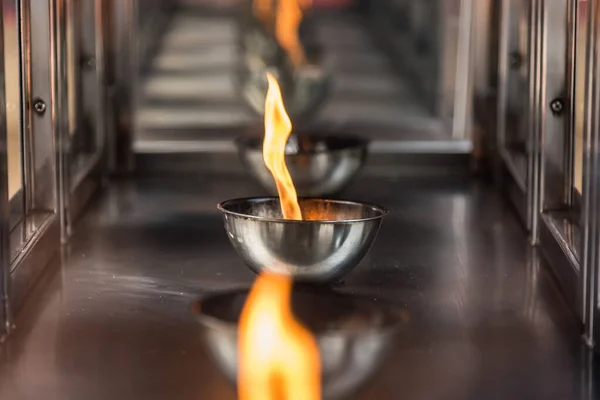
{"type": "Point", "coordinates": [111, 317]}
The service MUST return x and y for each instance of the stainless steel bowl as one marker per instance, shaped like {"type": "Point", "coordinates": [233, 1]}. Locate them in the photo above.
{"type": "Point", "coordinates": [354, 334]}
{"type": "Point", "coordinates": [304, 88]}
{"type": "Point", "coordinates": [319, 165]}
{"type": "Point", "coordinates": [324, 247]}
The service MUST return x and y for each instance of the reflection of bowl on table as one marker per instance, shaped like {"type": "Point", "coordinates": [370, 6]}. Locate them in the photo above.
{"type": "Point", "coordinates": [329, 243]}
{"type": "Point", "coordinates": [353, 333]}
{"type": "Point", "coordinates": [318, 165]}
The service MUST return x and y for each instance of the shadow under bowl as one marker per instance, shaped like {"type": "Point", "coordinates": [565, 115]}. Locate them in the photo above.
{"type": "Point", "coordinates": [327, 244]}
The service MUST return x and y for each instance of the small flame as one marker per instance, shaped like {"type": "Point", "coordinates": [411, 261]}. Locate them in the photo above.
{"type": "Point", "coordinates": [278, 128]}
{"type": "Point", "coordinates": [279, 358]}
{"type": "Point", "coordinates": [287, 22]}
{"type": "Point", "coordinates": [289, 17]}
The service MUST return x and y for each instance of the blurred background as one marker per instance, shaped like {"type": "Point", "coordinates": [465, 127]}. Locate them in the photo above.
{"type": "Point", "coordinates": [397, 73]}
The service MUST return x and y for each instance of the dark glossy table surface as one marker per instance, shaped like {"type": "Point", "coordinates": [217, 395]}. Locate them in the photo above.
{"type": "Point", "coordinates": [111, 318]}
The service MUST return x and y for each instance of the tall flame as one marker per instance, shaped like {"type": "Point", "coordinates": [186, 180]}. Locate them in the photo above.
{"type": "Point", "coordinates": [278, 128]}
{"type": "Point", "coordinates": [289, 17]}
{"type": "Point", "coordinates": [279, 358]}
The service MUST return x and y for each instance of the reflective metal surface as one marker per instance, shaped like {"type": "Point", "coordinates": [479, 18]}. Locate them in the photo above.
{"type": "Point", "coordinates": [319, 165]}
{"type": "Point", "coordinates": [558, 231]}
{"type": "Point", "coordinates": [591, 179]}
{"type": "Point", "coordinates": [5, 194]}
{"type": "Point", "coordinates": [112, 320]}
{"type": "Point", "coordinates": [354, 334]}
{"type": "Point", "coordinates": [36, 236]}
{"type": "Point", "coordinates": [123, 67]}
{"type": "Point", "coordinates": [327, 244]}
{"type": "Point", "coordinates": [517, 136]}
{"type": "Point", "coordinates": [84, 144]}
{"type": "Point", "coordinates": [12, 74]}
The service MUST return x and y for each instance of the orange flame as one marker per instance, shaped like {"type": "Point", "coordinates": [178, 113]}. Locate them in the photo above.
{"type": "Point", "coordinates": [287, 22]}
{"type": "Point", "coordinates": [279, 358]}
{"type": "Point", "coordinates": [278, 128]}
{"type": "Point", "coordinates": [289, 17]}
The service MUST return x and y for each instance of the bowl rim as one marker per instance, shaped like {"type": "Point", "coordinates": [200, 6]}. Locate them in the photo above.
{"type": "Point", "coordinates": [222, 207]}
{"type": "Point", "coordinates": [242, 142]}
{"type": "Point", "coordinates": [215, 323]}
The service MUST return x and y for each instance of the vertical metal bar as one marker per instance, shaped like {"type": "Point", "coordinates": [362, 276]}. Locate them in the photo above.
{"type": "Point", "coordinates": [60, 108]}
{"type": "Point", "coordinates": [534, 169]}
{"type": "Point", "coordinates": [502, 99]}
{"type": "Point", "coordinates": [28, 161]}
{"type": "Point", "coordinates": [5, 311]}
{"type": "Point", "coordinates": [463, 99]}
{"type": "Point", "coordinates": [591, 176]}
{"type": "Point", "coordinates": [42, 131]}
{"type": "Point", "coordinates": [109, 24]}
{"type": "Point", "coordinates": [571, 83]}
{"type": "Point", "coordinates": [100, 74]}
{"type": "Point", "coordinates": [511, 55]}
{"type": "Point", "coordinates": [552, 131]}
{"type": "Point", "coordinates": [132, 76]}
{"type": "Point", "coordinates": [125, 63]}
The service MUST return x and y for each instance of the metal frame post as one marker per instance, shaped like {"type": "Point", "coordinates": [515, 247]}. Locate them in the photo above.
{"type": "Point", "coordinates": [5, 311]}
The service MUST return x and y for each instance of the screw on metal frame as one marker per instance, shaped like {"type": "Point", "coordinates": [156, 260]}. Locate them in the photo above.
{"type": "Point", "coordinates": [557, 106]}
{"type": "Point", "coordinates": [39, 106]}
{"type": "Point", "coordinates": [515, 60]}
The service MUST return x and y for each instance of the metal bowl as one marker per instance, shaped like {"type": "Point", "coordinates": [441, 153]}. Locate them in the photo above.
{"type": "Point", "coordinates": [354, 334]}
{"type": "Point", "coordinates": [304, 88]}
{"type": "Point", "coordinates": [324, 247]}
{"type": "Point", "coordinates": [319, 165]}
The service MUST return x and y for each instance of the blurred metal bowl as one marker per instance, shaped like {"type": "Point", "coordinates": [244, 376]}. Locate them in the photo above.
{"type": "Point", "coordinates": [304, 87]}
{"type": "Point", "coordinates": [332, 239]}
{"type": "Point", "coordinates": [354, 334]}
{"type": "Point", "coordinates": [319, 165]}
